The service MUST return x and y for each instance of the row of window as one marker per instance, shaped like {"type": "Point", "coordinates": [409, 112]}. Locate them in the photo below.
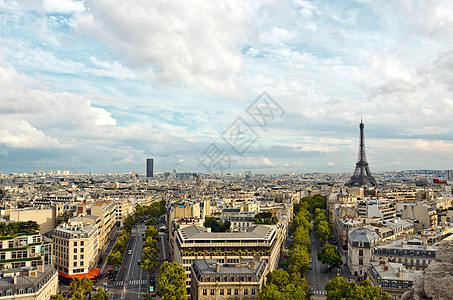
{"type": "Point", "coordinates": [228, 292]}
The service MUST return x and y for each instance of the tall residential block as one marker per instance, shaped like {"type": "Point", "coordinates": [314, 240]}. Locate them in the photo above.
{"type": "Point", "coordinates": [150, 167]}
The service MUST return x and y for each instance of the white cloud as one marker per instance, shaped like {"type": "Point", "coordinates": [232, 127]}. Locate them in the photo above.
{"type": "Point", "coordinates": [62, 6]}
{"type": "Point", "coordinates": [194, 42]}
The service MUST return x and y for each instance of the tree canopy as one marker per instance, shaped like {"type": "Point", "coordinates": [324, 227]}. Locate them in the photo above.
{"type": "Point", "coordinates": [340, 289]}
{"type": "Point", "coordinates": [216, 226]}
{"type": "Point", "coordinates": [265, 218]}
{"type": "Point", "coordinates": [329, 255]}
{"type": "Point", "coordinates": [282, 286]}
{"type": "Point", "coordinates": [81, 285]}
{"type": "Point", "coordinates": [13, 228]}
{"type": "Point", "coordinates": [171, 282]}
{"type": "Point", "coordinates": [100, 294]}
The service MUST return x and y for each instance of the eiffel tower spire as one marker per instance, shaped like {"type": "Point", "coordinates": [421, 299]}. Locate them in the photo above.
{"type": "Point", "coordinates": [362, 174]}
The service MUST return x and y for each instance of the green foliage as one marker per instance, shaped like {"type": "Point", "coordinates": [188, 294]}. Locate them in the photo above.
{"type": "Point", "coordinates": [57, 297]}
{"type": "Point", "coordinates": [301, 237]}
{"type": "Point", "coordinates": [322, 226]}
{"type": "Point", "coordinates": [265, 218]}
{"type": "Point", "coordinates": [151, 231]}
{"type": "Point", "coordinates": [115, 258]}
{"type": "Point", "coordinates": [100, 294]}
{"type": "Point", "coordinates": [216, 226]}
{"type": "Point", "coordinates": [299, 260]}
{"type": "Point", "coordinates": [282, 286]}
{"type": "Point", "coordinates": [81, 285]}
{"type": "Point", "coordinates": [18, 227]}
{"type": "Point", "coordinates": [329, 255]}
{"type": "Point", "coordinates": [339, 289]}
{"type": "Point", "coordinates": [315, 202]}
{"type": "Point", "coordinates": [171, 282]}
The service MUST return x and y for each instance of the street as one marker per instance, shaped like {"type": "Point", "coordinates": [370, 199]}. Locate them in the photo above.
{"type": "Point", "coordinates": [131, 282]}
{"type": "Point", "coordinates": [317, 279]}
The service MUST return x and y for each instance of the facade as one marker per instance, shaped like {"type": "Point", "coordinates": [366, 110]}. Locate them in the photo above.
{"type": "Point", "coordinates": [409, 252]}
{"type": "Point", "coordinates": [240, 222]}
{"type": "Point", "coordinates": [45, 217]}
{"type": "Point", "coordinates": [29, 283]}
{"type": "Point", "coordinates": [376, 209]}
{"type": "Point", "coordinates": [150, 167]}
{"type": "Point", "coordinates": [75, 250]}
{"type": "Point", "coordinates": [262, 242]}
{"type": "Point", "coordinates": [105, 210]}
{"type": "Point", "coordinates": [123, 208]}
{"type": "Point", "coordinates": [425, 214]}
{"type": "Point", "coordinates": [212, 280]}
{"type": "Point", "coordinates": [24, 250]}
{"type": "Point", "coordinates": [392, 278]}
{"type": "Point", "coordinates": [360, 243]}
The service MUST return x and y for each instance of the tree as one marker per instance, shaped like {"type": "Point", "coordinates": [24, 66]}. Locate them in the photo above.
{"type": "Point", "coordinates": [282, 286]}
{"type": "Point", "coordinates": [151, 231]}
{"type": "Point", "coordinates": [81, 285]}
{"type": "Point", "coordinates": [301, 237]}
{"type": "Point", "coordinates": [329, 255]}
{"type": "Point", "coordinates": [171, 282]}
{"type": "Point", "coordinates": [324, 231]}
{"type": "Point", "coordinates": [115, 258]}
{"type": "Point", "coordinates": [100, 294]}
{"type": "Point", "coordinates": [299, 260]}
{"type": "Point", "coordinates": [339, 289]}
{"type": "Point", "coordinates": [150, 259]}
{"type": "Point", "coordinates": [57, 297]}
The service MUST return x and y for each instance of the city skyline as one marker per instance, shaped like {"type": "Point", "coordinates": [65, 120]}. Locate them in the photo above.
{"type": "Point", "coordinates": [102, 85]}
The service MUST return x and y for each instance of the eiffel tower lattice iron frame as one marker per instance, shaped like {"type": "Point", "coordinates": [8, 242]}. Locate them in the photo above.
{"type": "Point", "coordinates": [362, 174]}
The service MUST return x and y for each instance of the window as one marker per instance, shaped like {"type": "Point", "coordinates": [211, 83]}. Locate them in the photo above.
{"type": "Point", "coordinates": [361, 261]}
{"type": "Point", "coordinates": [11, 244]}
{"type": "Point", "coordinates": [236, 292]}
{"type": "Point", "coordinates": [82, 243]}
{"type": "Point", "coordinates": [2, 255]}
{"type": "Point", "coordinates": [253, 291]}
{"type": "Point", "coordinates": [361, 252]}
{"type": "Point", "coordinates": [81, 262]}
{"type": "Point", "coordinates": [221, 292]}
{"type": "Point", "coordinates": [81, 249]}
{"type": "Point", "coordinates": [81, 256]}
{"type": "Point", "coordinates": [75, 244]}
{"type": "Point", "coordinates": [75, 250]}
{"type": "Point", "coordinates": [75, 264]}
{"type": "Point", "coordinates": [246, 291]}
{"type": "Point", "coordinates": [205, 292]}
{"type": "Point", "coordinates": [212, 291]}
{"type": "Point", "coordinates": [75, 256]}
{"type": "Point", "coordinates": [228, 291]}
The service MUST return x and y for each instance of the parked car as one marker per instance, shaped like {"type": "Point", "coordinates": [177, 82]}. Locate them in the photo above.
{"type": "Point", "coordinates": [129, 252]}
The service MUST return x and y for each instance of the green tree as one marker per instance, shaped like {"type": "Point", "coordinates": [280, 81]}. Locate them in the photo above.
{"type": "Point", "coordinates": [339, 289]}
{"type": "Point", "coordinates": [151, 231]}
{"type": "Point", "coordinates": [57, 297]}
{"type": "Point", "coordinates": [329, 255]}
{"type": "Point", "coordinates": [100, 294]}
{"type": "Point", "coordinates": [299, 260]}
{"type": "Point", "coordinates": [171, 282]}
{"type": "Point", "coordinates": [150, 259]}
{"type": "Point", "coordinates": [81, 285]}
{"type": "Point", "coordinates": [324, 231]}
{"type": "Point", "coordinates": [282, 286]}
{"type": "Point", "coordinates": [301, 237]}
{"type": "Point", "coordinates": [115, 258]}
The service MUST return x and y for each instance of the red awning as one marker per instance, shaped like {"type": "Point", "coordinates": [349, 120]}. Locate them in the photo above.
{"type": "Point", "coordinates": [91, 274]}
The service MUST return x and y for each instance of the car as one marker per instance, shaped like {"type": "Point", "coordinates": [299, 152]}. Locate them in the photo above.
{"type": "Point", "coordinates": [311, 260]}
{"type": "Point", "coordinates": [129, 252]}
{"type": "Point", "coordinates": [138, 262]}
{"type": "Point", "coordinates": [312, 291]}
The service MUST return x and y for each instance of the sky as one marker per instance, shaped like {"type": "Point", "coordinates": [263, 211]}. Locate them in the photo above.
{"type": "Point", "coordinates": [225, 86]}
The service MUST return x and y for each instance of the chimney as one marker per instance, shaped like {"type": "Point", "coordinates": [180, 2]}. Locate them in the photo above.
{"type": "Point", "coordinates": [208, 229]}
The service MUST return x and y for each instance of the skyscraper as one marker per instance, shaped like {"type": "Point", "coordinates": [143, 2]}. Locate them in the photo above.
{"type": "Point", "coordinates": [150, 167]}
{"type": "Point", "coordinates": [362, 174]}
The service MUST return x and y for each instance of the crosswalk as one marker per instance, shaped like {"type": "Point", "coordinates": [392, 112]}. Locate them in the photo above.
{"type": "Point", "coordinates": [320, 292]}
{"type": "Point", "coordinates": [130, 282]}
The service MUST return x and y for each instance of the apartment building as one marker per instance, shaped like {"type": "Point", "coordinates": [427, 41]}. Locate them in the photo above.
{"type": "Point", "coordinates": [75, 250]}
{"type": "Point", "coordinates": [262, 242]}
{"type": "Point", "coordinates": [392, 278]}
{"type": "Point", "coordinates": [28, 283]}
{"type": "Point", "coordinates": [26, 270]}
{"type": "Point", "coordinates": [212, 280]}
{"type": "Point", "coordinates": [45, 217]}
{"type": "Point", "coordinates": [410, 252]}
{"type": "Point", "coordinates": [424, 213]}
{"type": "Point", "coordinates": [360, 243]}
{"type": "Point", "coordinates": [123, 208]}
{"type": "Point", "coordinates": [376, 210]}
{"type": "Point", "coordinates": [105, 210]}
